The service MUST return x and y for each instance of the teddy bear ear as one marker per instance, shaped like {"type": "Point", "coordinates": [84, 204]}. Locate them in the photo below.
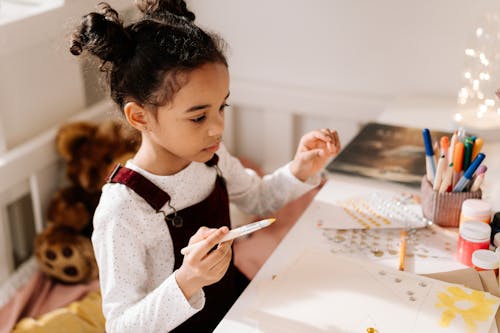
{"type": "Point", "coordinates": [72, 137]}
{"type": "Point", "coordinates": [109, 131]}
{"type": "Point", "coordinates": [119, 133]}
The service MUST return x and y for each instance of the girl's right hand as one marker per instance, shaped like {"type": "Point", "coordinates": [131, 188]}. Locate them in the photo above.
{"type": "Point", "coordinates": [201, 268]}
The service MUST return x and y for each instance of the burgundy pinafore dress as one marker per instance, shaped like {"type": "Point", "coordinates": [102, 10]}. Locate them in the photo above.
{"type": "Point", "coordinates": [212, 212]}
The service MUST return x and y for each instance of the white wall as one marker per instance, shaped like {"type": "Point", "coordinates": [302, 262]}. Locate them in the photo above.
{"type": "Point", "coordinates": [40, 81]}
{"type": "Point", "coordinates": [355, 57]}
{"type": "Point", "coordinates": [338, 64]}
{"type": "Point", "coordinates": [372, 48]}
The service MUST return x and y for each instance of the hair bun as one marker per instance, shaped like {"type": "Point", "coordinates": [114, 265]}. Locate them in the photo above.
{"type": "Point", "coordinates": [159, 8]}
{"type": "Point", "coordinates": [102, 34]}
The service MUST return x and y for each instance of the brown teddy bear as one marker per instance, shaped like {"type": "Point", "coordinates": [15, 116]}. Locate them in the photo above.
{"type": "Point", "coordinates": [64, 250]}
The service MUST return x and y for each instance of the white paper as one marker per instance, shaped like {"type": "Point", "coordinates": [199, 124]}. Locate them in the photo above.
{"type": "Point", "coordinates": [324, 292]}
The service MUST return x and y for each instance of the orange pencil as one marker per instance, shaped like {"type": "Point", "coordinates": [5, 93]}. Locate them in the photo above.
{"type": "Point", "coordinates": [458, 158]}
{"type": "Point", "coordinates": [444, 144]}
{"type": "Point", "coordinates": [478, 144]}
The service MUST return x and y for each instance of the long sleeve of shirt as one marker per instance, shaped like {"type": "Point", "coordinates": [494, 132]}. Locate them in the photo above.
{"type": "Point", "coordinates": [134, 250]}
{"type": "Point", "coordinates": [132, 302]}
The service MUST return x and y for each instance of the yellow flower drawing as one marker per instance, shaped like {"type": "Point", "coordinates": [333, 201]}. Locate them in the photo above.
{"type": "Point", "coordinates": [473, 307]}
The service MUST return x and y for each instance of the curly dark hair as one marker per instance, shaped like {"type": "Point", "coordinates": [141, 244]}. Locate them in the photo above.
{"type": "Point", "coordinates": [143, 60]}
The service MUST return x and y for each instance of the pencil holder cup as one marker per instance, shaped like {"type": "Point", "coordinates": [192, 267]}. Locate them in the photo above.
{"type": "Point", "coordinates": [443, 209]}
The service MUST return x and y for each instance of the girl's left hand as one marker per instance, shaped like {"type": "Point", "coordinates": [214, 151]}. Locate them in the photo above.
{"type": "Point", "coordinates": [314, 150]}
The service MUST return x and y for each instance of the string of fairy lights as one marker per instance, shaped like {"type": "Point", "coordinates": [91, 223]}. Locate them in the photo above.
{"type": "Point", "coordinates": [479, 96]}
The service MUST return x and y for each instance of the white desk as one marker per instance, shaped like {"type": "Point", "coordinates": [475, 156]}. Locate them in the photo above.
{"type": "Point", "coordinates": [304, 235]}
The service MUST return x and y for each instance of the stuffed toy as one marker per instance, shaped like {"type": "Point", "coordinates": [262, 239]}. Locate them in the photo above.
{"type": "Point", "coordinates": [90, 151]}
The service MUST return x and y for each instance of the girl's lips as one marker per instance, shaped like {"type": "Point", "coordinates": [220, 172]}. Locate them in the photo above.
{"type": "Point", "coordinates": [213, 148]}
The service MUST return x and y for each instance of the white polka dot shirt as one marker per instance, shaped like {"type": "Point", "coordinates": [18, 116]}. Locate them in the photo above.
{"type": "Point", "coordinates": [134, 250]}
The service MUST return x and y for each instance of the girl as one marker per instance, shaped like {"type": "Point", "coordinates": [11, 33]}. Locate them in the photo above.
{"type": "Point", "coordinates": [170, 79]}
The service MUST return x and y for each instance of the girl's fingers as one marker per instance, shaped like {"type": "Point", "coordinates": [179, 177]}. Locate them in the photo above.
{"type": "Point", "coordinates": [335, 142]}
{"type": "Point", "coordinates": [219, 268]}
{"type": "Point", "coordinates": [220, 255]}
{"type": "Point", "coordinates": [322, 135]}
{"type": "Point", "coordinates": [207, 244]}
{"type": "Point", "coordinates": [202, 233]}
{"type": "Point", "coordinates": [328, 137]}
{"type": "Point", "coordinates": [309, 155]}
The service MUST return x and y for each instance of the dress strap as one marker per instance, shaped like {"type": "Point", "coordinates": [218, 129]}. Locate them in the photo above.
{"type": "Point", "coordinates": [213, 161]}
{"type": "Point", "coordinates": [146, 189]}
{"type": "Point", "coordinates": [153, 195]}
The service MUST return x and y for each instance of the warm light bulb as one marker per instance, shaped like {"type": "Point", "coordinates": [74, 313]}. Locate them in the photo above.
{"type": "Point", "coordinates": [483, 59]}
{"type": "Point", "coordinates": [470, 52]}
{"type": "Point", "coordinates": [463, 93]}
{"type": "Point", "coordinates": [484, 76]}
{"type": "Point", "coordinates": [478, 99]}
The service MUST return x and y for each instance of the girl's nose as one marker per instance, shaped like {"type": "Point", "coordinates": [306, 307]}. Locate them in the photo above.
{"type": "Point", "coordinates": [217, 126]}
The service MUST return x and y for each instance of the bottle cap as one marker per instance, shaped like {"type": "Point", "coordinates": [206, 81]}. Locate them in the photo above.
{"type": "Point", "coordinates": [476, 207]}
{"type": "Point", "coordinates": [496, 240]}
{"type": "Point", "coordinates": [496, 219]}
{"type": "Point", "coordinates": [475, 231]}
{"type": "Point", "coordinates": [485, 259]}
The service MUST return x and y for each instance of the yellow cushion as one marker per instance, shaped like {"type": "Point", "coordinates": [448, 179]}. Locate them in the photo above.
{"type": "Point", "coordinates": [84, 316]}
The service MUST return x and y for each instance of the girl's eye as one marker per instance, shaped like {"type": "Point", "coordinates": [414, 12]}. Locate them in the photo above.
{"type": "Point", "coordinates": [198, 119]}
{"type": "Point", "coordinates": [223, 107]}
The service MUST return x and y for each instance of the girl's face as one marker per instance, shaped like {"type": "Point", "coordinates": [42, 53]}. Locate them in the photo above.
{"type": "Point", "coordinates": [190, 127]}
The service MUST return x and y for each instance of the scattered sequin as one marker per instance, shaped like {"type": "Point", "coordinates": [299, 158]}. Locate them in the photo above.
{"type": "Point", "coordinates": [339, 239]}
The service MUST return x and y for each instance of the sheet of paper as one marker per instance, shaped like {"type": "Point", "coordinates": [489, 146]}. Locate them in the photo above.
{"type": "Point", "coordinates": [347, 205]}
{"type": "Point", "coordinates": [469, 277]}
{"type": "Point", "coordinates": [324, 292]}
{"type": "Point", "coordinates": [430, 243]}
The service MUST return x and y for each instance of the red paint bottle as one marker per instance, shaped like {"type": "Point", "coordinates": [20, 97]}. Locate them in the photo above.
{"type": "Point", "coordinates": [474, 235]}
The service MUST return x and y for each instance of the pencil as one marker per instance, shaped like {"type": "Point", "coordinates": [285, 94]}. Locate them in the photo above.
{"type": "Point", "coordinates": [402, 250]}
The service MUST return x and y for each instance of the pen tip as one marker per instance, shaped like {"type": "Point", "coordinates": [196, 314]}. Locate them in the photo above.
{"type": "Point", "coordinates": [271, 220]}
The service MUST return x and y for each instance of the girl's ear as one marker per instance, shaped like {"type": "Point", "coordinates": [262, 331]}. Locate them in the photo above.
{"type": "Point", "coordinates": [136, 116]}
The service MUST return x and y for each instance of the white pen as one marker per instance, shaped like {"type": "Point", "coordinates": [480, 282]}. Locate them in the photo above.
{"type": "Point", "coordinates": [235, 233]}
{"type": "Point", "coordinates": [446, 179]}
{"type": "Point", "coordinates": [477, 182]}
{"type": "Point", "coordinates": [439, 172]}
